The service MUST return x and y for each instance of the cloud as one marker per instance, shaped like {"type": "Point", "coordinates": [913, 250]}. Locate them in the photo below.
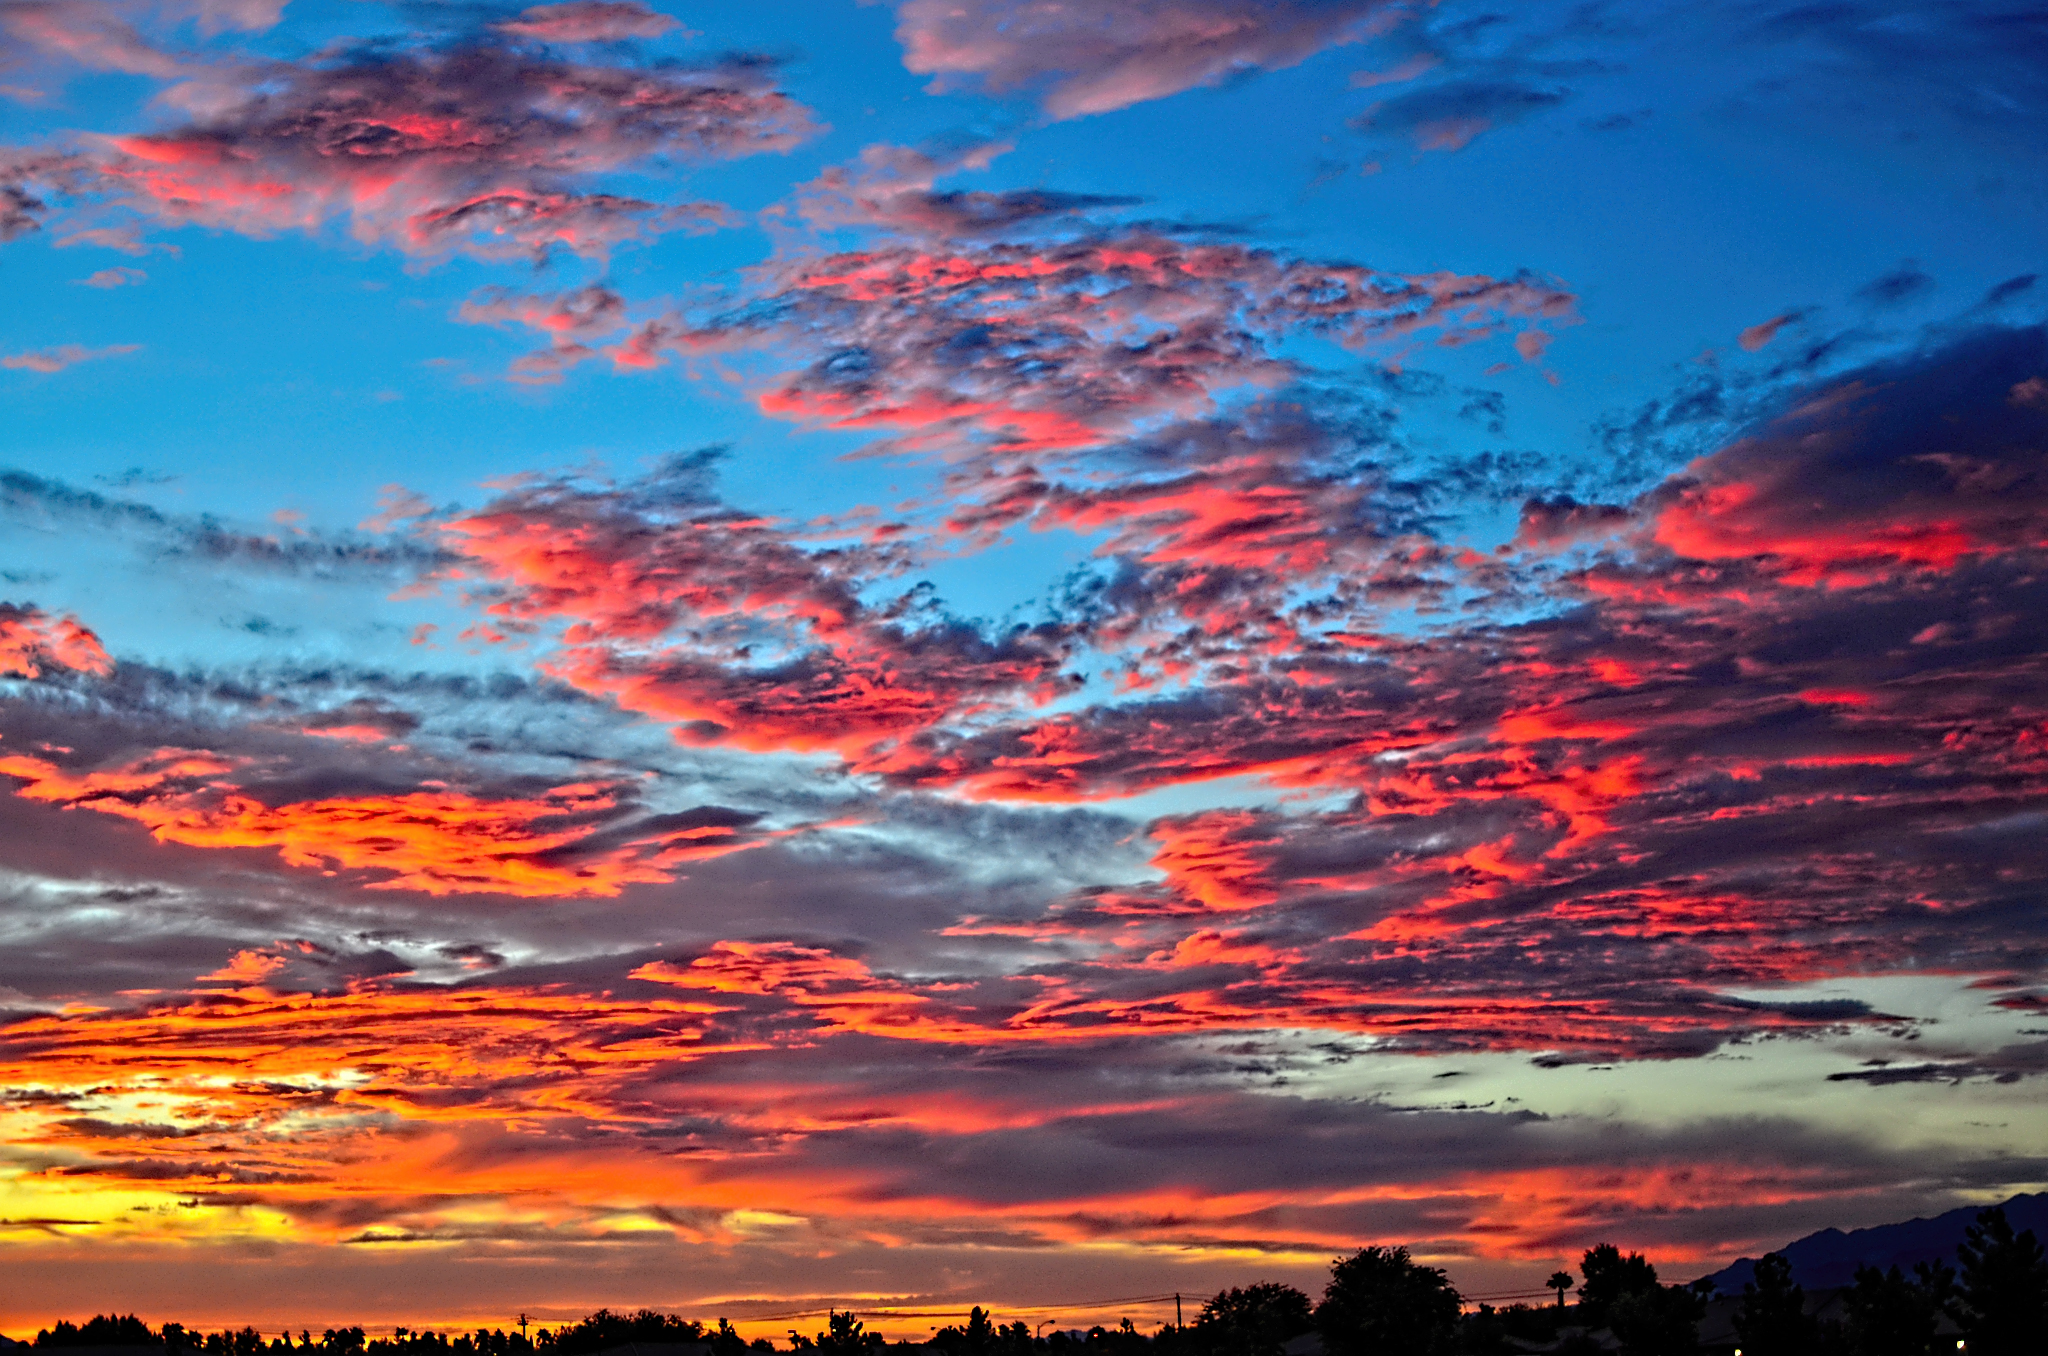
{"type": "Point", "coordinates": [486, 146]}
{"type": "Point", "coordinates": [542, 1122]}
{"type": "Point", "coordinates": [1874, 474]}
{"type": "Point", "coordinates": [207, 539]}
{"type": "Point", "coordinates": [31, 639]}
{"type": "Point", "coordinates": [1599, 785]}
{"type": "Point", "coordinates": [781, 917]}
{"type": "Point", "coordinates": [115, 277]}
{"type": "Point", "coordinates": [64, 355]}
{"type": "Point", "coordinates": [1760, 334]}
{"type": "Point", "coordinates": [123, 238]}
{"type": "Point", "coordinates": [1091, 379]}
{"type": "Point", "coordinates": [588, 21]}
{"type": "Point", "coordinates": [893, 188]}
{"type": "Point", "coordinates": [1896, 287]}
{"type": "Point", "coordinates": [1122, 52]}
{"type": "Point", "coordinates": [2008, 1064]}
{"type": "Point", "coordinates": [1977, 65]}
{"type": "Point", "coordinates": [1562, 519]}
{"type": "Point", "coordinates": [92, 35]}
{"type": "Point", "coordinates": [561, 842]}
{"type": "Point", "coordinates": [729, 625]}
{"type": "Point", "coordinates": [1447, 117]}
{"type": "Point", "coordinates": [569, 319]}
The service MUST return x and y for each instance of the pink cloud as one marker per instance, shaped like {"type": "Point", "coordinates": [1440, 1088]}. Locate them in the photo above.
{"type": "Point", "coordinates": [1758, 335]}
{"type": "Point", "coordinates": [487, 147]}
{"type": "Point", "coordinates": [573, 321]}
{"type": "Point", "coordinates": [589, 21]}
{"type": "Point", "coordinates": [250, 16]}
{"type": "Point", "coordinates": [91, 34]}
{"type": "Point", "coordinates": [63, 356]}
{"type": "Point", "coordinates": [115, 277]}
{"type": "Point", "coordinates": [1119, 52]}
{"type": "Point", "coordinates": [123, 238]}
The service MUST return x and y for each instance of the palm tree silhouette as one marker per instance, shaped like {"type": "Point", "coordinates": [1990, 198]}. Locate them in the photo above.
{"type": "Point", "coordinates": [1560, 1281]}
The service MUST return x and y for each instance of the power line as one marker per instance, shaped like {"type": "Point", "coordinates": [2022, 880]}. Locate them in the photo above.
{"type": "Point", "coordinates": [1073, 1306]}
{"type": "Point", "coordinates": [1514, 1295]}
{"type": "Point", "coordinates": [896, 1312]}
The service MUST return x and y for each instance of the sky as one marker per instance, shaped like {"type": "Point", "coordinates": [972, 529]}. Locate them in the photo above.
{"type": "Point", "coordinates": [999, 651]}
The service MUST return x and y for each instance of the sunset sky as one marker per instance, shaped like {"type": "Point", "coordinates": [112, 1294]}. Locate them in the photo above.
{"type": "Point", "coordinates": [898, 653]}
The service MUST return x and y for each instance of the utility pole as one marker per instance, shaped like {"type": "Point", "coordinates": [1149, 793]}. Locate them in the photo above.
{"type": "Point", "coordinates": [522, 1327]}
{"type": "Point", "coordinates": [1176, 1311]}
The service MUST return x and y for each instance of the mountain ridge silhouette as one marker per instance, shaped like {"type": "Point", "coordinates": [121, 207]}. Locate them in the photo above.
{"type": "Point", "coordinates": [1830, 1257]}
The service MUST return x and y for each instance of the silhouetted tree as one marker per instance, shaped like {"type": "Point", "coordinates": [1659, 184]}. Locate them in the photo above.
{"type": "Point", "coordinates": [605, 1329]}
{"type": "Point", "coordinates": [247, 1342]}
{"type": "Point", "coordinates": [101, 1330]}
{"type": "Point", "coordinates": [1609, 1277]}
{"type": "Point", "coordinates": [2003, 1291]}
{"type": "Point", "coordinates": [844, 1335]}
{"type": "Point", "coordinates": [1771, 1320]}
{"type": "Point", "coordinates": [1661, 1321]}
{"type": "Point", "coordinates": [1622, 1293]}
{"type": "Point", "coordinates": [1379, 1302]}
{"type": "Point", "coordinates": [1254, 1321]}
{"type": "Point", "coordinates": [977, 1338]}
{"type": "Point", "coordinates": [1122, 1340]}
{"type": "Point", "coordinates": [1888, 1315]}
{"type": "Point", "coordinates": [1560, 1281]}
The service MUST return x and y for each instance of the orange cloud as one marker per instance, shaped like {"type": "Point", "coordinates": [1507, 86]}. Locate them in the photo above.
{"type": "Point", "coordinates": [435, 840]}
{"type": "Point", "coordinates": [30, 640]}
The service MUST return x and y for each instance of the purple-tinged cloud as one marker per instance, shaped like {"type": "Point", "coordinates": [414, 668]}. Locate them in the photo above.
{"type": "Point", "coordinates": [1095, 58]}
{"type": "Point", "coordinates": [89, 32]}
{"type": "Point", "coordinates": [488, 146]}
{"type": "Point", "coordinates": [588, 21]}
{"type": "Point", "coordinates": [115, 277]}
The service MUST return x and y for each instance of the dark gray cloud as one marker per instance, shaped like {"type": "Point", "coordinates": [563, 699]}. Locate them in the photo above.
{"type": "Point", "coordinates": [1896, 286]}
{"type": "Point", "coordinates": [39, 502]}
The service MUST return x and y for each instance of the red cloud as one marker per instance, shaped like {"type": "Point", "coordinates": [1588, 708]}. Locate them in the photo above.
{"type": "Point", "coordinates": [1078, 382]}
{"type": "Point", "coordinates": [728, 625]}
{"type": "Point", "coordinates": [1913, 467]}
{"type": "Point", "coordinates": [1075, 343]}
{"type": "Point", "coordinates": [31, 640]}
{"type": "Point", "coordinates": [484, 147]}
